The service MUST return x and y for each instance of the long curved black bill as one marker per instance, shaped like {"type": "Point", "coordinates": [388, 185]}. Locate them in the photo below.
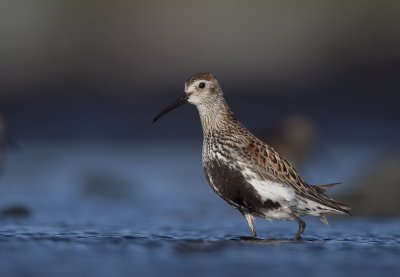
{"type": "Point", "coordinates": [178, 102]}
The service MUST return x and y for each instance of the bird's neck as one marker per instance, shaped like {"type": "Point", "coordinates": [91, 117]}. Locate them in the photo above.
{"type": "Point", "coordinates": [215, 115]}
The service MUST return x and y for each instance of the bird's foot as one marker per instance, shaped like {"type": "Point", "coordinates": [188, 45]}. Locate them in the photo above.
{"type": "Point", "coordinates": [298, 236]}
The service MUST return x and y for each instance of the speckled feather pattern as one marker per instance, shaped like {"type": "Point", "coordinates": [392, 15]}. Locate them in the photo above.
{"type": "Point", "coordinates": [236, 146]}
{"type": "Point", "coordinates": [247, 173]}
{"type": "Point", "coordinates": [227, 141]}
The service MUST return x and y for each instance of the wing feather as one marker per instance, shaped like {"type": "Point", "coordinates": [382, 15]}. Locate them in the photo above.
{"type": "Point", "coordinates": [273, 167]}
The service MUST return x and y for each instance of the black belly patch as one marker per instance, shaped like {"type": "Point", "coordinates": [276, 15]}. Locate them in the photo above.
{"type": "Point", "coordinates": [269, 204]}
{"type": "Point", "coordinates": [230, 184]}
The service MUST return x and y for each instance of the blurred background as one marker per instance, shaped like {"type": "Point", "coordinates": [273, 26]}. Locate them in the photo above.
{"type": "Point", "coordinates": [80, 82]}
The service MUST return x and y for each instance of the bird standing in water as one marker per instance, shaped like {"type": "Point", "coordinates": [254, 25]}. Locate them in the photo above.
{"type": "Point", "coordinates": [247, 173]}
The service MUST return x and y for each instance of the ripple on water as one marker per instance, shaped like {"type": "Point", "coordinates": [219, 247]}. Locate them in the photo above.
{"type": "Point", "coordinates": [346, 249]}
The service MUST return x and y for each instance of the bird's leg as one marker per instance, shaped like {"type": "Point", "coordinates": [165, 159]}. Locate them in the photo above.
{"type": "Point", "coordinates": [250, 221]}
{"type": "Point", "coordinates": [302, 226]}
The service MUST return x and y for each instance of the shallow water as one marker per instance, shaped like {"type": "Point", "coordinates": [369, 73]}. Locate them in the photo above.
{"type": "Point", "coordinates": [152, 215]}
{"type": "Point", "coordinates": [365, 247]}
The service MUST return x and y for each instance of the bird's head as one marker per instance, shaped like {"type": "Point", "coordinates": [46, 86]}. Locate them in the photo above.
{"type": "Point", "coordinates": [200, 89]}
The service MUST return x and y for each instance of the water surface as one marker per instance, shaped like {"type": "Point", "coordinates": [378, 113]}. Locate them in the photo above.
{"type": "Point", "coordinates": [97, 210]}
{"type": "Point", "coordinates": [361, 246]}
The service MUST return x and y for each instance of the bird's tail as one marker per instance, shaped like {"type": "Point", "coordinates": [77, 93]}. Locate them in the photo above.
{"type": "Point", "coordinates": [325, 187]}
{"type": "Point", "coordinates": [341, 207]}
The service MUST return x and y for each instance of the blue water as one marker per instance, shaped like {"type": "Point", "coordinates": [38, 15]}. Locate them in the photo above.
{"type": "Point", "coordinates": [128, 210]}
{"type": "Point", "coordinates": [363, 247]}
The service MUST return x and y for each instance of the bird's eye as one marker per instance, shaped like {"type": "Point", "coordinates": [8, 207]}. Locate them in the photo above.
{"type": "Point", "coordinates": [202, 85]}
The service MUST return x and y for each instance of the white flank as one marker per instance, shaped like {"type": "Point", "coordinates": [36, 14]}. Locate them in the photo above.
{"type": "Point", "coordinates": [269, 190]}
{"type": "Point", "coordinates": [273, 191]}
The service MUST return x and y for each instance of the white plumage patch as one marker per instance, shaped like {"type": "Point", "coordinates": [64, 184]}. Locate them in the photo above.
{"type": "Point", "coordinates": [273, 191]}
{"type": "Point", "coordinates": [269, 190]}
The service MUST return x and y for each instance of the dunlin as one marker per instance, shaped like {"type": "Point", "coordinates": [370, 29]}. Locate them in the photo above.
{"type": "Point", "coordinates": [247, 173]}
